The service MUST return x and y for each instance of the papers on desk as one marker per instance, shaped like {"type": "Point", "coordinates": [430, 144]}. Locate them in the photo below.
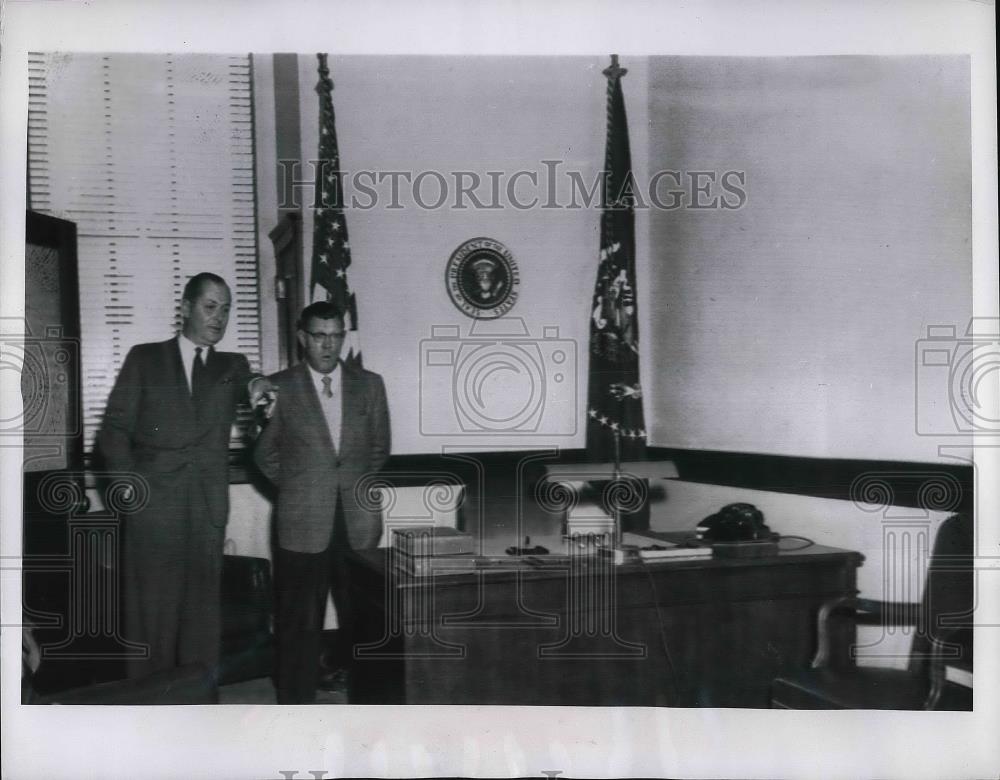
{"type": "Point", "coordinates": [653, 547]}
{"type": "Point", "coordinates": [421, 552]}
{"type": "Point", "coordinates": [424, 565]}
{"type": "Point", "coordinates": [467, 563]}
{"type": "Point", "coordinates": [424, 550]}
{"type": "Point", "coordinates": [431, 540]}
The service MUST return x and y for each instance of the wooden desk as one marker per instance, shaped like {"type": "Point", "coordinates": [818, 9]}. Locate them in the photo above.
{"type": "Point", "coordinates": [701, 633]}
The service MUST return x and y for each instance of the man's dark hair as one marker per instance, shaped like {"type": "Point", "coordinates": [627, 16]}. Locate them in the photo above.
{"type": "Point", "coordinates": [197, 283]}
{"type": "Point", "coordinates": [320, 310]}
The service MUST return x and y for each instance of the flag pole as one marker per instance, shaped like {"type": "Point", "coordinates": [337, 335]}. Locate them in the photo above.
{"type": "Point", "coordinates": [331, 244]}
{"type": "Point", "coordinates": [617, 477]}
{"type": "Point", "coordinates": [613, 242]}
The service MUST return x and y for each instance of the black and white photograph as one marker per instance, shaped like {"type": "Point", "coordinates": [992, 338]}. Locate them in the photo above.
{"type": "Point", "coordinates": [586, 391]}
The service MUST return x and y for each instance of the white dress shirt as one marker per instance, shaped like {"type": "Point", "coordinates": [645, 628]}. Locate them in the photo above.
{"type": "Point", "coordinates": [188, 354]}
{"type": "Point", "coordinates": [331, 406]}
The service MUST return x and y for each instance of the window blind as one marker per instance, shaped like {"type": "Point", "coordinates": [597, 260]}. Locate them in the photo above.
{"type": "Point", "coordinates": [152, 157]}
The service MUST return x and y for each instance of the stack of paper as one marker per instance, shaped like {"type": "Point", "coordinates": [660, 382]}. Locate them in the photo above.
{"type": "Point", "coordinates": [652, 547]}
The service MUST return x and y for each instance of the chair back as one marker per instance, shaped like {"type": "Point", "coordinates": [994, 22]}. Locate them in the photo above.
{"type": "Point", "coordinates": [948, 601]}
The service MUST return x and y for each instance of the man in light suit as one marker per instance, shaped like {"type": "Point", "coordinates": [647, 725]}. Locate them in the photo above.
{"type": "Point", "coordinates": [168, 422]}
{"type": "Point", "coordinates": [328, 428]}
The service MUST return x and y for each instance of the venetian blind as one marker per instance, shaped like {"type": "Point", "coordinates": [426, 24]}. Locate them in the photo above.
{"type": "Point", "coordinates": [152, 157]}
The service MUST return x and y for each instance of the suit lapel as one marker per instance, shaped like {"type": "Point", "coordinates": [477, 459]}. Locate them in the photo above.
{"type": "Point", "coordinates": [352, 405]}
{"type": "Point", "coordinates": [216, 369]}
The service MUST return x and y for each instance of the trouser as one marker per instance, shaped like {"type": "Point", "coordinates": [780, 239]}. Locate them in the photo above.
{"type": "Point", "coordinates": [172, 583]}
{"type": "Point", "coordinates": [303, 581]}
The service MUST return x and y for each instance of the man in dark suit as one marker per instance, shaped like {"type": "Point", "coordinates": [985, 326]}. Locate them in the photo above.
{"type": "Point", "coordinates": [168, 422]}
{"type": "Point", "coordinates": [329, 427]}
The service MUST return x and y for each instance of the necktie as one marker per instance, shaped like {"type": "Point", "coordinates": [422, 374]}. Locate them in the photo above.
{"type": "Point", "coordinates": [331, 410]}
{"type": "Point", "coordinates": [198, 378]}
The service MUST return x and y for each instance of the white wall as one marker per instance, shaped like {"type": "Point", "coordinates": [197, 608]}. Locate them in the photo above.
{"type": "Point", "coordinates": [790, 326]}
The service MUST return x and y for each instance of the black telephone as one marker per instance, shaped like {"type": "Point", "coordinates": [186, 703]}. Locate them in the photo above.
{"type": "Point", "coordinates": [734, 523]}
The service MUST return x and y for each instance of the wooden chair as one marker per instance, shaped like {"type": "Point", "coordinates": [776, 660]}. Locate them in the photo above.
{"type": "Point", "coordinates": [943, 641]}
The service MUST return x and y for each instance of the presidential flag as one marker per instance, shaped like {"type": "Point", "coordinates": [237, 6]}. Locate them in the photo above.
{"type": "Point", "coordinates": [331, 254]}
{"type": "Point", "coordinates": [615, 421]}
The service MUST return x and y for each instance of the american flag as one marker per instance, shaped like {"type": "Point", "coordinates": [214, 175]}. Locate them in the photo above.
{"type": "Point", "coordinates": [331, 254]}
{"type": "Point", "coordinates": [615, 418]}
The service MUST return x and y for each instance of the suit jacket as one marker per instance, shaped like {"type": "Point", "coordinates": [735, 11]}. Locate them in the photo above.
{"type": "Point", "coordinates": [153, 427]}
{"type": "Point", "coordinates": [295, 451]}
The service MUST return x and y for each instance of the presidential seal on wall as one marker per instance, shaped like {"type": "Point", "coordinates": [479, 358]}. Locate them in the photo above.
{"type": "Point", "coordinates": [482, 278]}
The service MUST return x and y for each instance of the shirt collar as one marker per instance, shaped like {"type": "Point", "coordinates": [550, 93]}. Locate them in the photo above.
{"type": "Point", "coordinates": [188, 348]}
{"type": "Point", "coordinates": [317, 377]}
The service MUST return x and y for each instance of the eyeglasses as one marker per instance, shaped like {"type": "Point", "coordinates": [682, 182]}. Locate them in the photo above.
{"type": "Point", "coordinates": [325, 338]}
